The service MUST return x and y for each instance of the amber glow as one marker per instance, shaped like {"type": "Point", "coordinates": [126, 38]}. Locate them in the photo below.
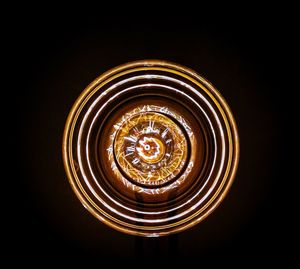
{"type": "Point", "coordinates": [149, 147]}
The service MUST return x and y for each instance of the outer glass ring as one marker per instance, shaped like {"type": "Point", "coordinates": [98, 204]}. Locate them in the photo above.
{"type": "Point", "coordinates": [188, 189]}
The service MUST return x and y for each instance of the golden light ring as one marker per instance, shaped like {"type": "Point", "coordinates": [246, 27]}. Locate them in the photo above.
{"type": "Point", "coordinates": [231, 131]}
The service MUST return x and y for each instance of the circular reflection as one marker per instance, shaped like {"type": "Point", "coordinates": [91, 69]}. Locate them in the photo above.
{"type": "Point", "coordinates": [150, 148]}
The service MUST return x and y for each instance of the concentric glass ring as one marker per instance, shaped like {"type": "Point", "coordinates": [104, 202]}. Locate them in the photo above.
{"type": "Point", "coordinates": [150, 148]}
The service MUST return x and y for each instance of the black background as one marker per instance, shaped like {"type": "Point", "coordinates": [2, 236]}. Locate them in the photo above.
{"type": "Point", "coordinates": [61, 53]}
